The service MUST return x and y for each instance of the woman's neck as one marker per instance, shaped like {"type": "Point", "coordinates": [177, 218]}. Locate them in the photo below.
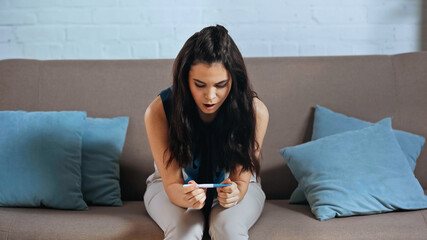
{"type": "Point", "coordinates": [207, 118]}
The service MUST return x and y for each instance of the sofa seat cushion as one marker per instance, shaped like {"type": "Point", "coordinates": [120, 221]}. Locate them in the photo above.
{"type": "Point", "coordinates": [131, 221]}
{"type": "Point", "coordinates": [281, 220]}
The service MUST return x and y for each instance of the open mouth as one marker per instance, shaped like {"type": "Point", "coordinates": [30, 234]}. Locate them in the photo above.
{"type": "Point", "coordinates": [208, 106]}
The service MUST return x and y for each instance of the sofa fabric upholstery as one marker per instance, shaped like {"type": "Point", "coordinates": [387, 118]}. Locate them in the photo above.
{"type": "Point", "coordinates": [279, 220]}
{"type": "Point", "coordinates": [368, 87]}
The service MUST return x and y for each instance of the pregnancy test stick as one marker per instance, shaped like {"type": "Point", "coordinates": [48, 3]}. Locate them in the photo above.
{"type": "Point", "coordinates": [209, 185]}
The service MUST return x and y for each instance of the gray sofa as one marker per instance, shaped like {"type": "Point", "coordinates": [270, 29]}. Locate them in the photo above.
{"type": "Point", "coordinates": [366, 87]}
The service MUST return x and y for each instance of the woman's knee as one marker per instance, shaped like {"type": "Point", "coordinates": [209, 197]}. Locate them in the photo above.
{"type": "Point", "coordinates": [225, 224]}
{"type": "Point", "coordinates": [176, 222]}
{"type": "Point", "coordinates": [188, 226]}
{"type": "Point", "coordinates": [235, 222]}
{"type": "Point", "coordinates": [230, 230]}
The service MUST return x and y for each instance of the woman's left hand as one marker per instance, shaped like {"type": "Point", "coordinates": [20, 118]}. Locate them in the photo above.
{"type": "Point", "coordinates": [228, 196]}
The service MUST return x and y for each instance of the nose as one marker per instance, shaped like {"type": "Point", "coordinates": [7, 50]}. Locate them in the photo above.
{"type": "Point", "coordinates": [210, 95]}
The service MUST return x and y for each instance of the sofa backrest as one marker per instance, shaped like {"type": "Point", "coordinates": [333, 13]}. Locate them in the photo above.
{"type": "Point", "coordinates": [367, 87]}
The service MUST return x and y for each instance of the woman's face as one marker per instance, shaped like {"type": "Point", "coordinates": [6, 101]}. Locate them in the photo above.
{"type": "Point", "coordinates": [210, 86]}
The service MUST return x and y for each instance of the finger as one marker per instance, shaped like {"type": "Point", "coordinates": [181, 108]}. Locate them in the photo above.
{"type": "Point", "coordinates": [200, 203]}
{"type": "Point", "coordinates": [197, 198]}
{"type": "Point", "coordinates": [229, 205]}
{"type": "Point", "coordinates": [192, 187]}
{"type": "Point", "coordinates": [228, 200]}
{"type": "Point", "coordinates": [224, 195]}
{"type": "Point", "coordinates": [225, 189]}
{"type": "Point", "coordinates": [228, 189]}
{"type": "Point", "coordinates": [194, 193]}
{"type": "Point", "coordinates": [226, 181]}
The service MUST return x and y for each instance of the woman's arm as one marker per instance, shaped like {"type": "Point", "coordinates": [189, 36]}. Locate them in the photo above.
{"type": "Point", "coordinates": [157, 131]}
{"type": "Point", "coordinates": [227, 196]}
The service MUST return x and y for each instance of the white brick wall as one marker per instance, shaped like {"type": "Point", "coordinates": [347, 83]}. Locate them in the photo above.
{"type": "Point", "coordinates": [39, 33]}
{"type": "Point", "coordinates": [135, 29]}
{"type": "Point", "coordinates": [64, 16]}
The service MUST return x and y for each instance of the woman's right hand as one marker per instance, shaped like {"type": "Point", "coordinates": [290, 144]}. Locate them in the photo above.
{"type": "Point", "coordinates": [194, 196]}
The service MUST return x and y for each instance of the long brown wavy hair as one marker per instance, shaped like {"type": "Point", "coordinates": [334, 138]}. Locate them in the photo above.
{"type": "Point", "coordinates": [236, 117]}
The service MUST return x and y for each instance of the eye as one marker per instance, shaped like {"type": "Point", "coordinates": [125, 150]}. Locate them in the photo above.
{"type": "Point", "coordinates": [199, 86]}
{"type": "Point", "coordinates": [222, 85]}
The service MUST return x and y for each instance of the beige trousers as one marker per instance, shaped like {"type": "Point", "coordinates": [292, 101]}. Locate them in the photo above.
{"type": "Point", "coordinates": [225, 223]}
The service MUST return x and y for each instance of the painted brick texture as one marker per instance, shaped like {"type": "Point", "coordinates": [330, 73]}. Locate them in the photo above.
{"type": "Point", "coordinates": [150, 29]}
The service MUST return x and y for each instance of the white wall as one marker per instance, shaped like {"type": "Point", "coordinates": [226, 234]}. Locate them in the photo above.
{"type": "Point", "coordinates": [137, 29]}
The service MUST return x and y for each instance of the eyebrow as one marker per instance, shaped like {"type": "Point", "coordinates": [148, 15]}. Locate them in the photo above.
{"type": "Point", "coordinates": [197, 80]}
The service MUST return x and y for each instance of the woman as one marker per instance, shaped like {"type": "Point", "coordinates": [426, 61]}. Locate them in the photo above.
{"type": "Point", "coordinates": [207, 128]}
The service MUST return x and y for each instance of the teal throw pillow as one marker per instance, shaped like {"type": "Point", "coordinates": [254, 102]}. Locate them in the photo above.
{"type": "Point", "coordinates": [355, 173]}
{"type": "Point", "coordinates": [40, 159]}
{"type": "Point", "coordinates": [103, 141]}
{"type": "Point", "coordinates": [327, 122]}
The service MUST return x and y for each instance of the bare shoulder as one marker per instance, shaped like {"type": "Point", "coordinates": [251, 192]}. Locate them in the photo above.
{"type": "Point", "coordinates": [260, 109]}
{"type": "Point", "coordinates": [154, 113]}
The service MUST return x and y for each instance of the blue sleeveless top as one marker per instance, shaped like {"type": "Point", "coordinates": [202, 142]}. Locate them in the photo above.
{"type": "Point", "coordinates": [191, 172]}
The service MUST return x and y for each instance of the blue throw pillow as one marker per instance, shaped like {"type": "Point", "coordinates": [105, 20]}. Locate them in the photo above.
{"type": "Point", "coordinates": [103, 141]}
{"type": "Point", "coordinates": [355, 173]}
{"type": "Point", "coordinates": [40, 159]}
{"type": "Point", "coordinates": [327, 122]}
